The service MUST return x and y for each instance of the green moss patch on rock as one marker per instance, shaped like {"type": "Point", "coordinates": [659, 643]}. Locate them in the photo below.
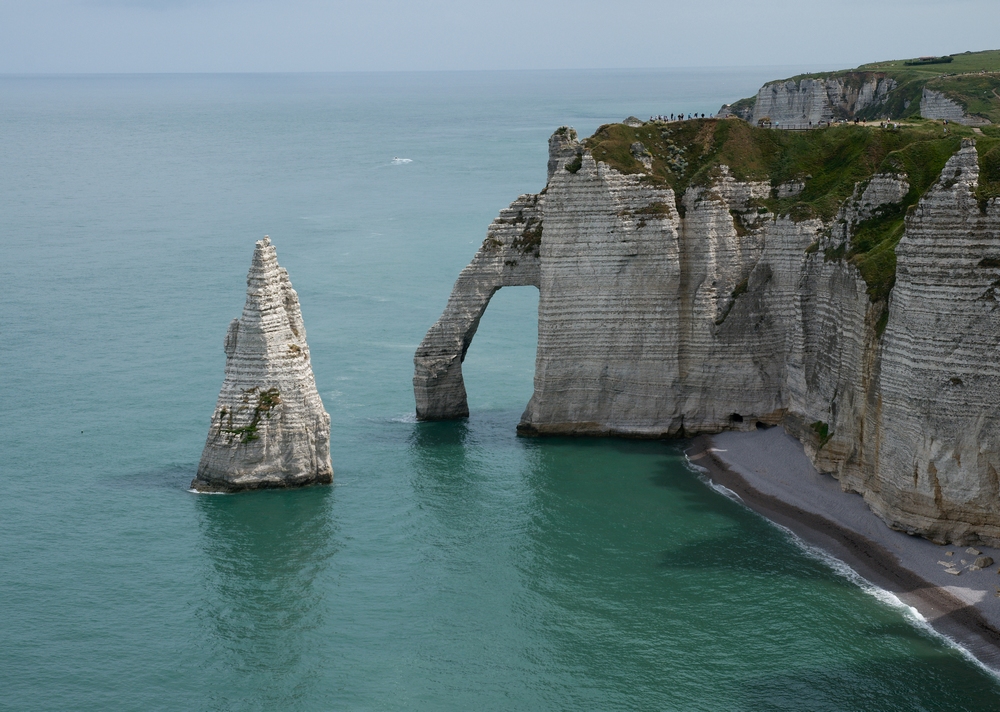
{"type": "Point", "coordinates": [822, 431]}
{"type": "Point", "coordinates": [873, 244]}
{"type": "Point", "coordinates": [266, 401]}
{"type": "Point", "coordinates": [530, 239]}
{"type": "Point", "coordinates": [988, 147]}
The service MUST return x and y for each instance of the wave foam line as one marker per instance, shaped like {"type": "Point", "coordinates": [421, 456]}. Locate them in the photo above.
{"type": "Point", "coordinates": [887, 598]}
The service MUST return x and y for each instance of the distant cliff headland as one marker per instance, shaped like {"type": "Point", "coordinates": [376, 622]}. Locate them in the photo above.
{"type": "Point", "coordinates": [715, 274]}
{"type": "Point", "coordinates": [961, 88]}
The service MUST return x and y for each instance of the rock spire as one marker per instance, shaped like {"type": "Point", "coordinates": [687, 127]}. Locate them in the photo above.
{"type": "Point", "coordinates": [269, 428]}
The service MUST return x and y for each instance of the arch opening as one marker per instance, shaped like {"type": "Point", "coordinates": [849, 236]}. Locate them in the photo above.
{"type": "Point", "coordinates": [499, 369]}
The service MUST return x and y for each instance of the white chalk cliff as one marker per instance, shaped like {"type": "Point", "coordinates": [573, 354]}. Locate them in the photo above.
{"type": "Point", "coordinates": [269, 428]}
{"type": "Point", "coordinates": [814, 100]}
{"type": "Point", "coordinates": [794, 103]}
{"type": "Point", "coordinates": [935, 105]}
{"type": "Point", "coordinates": [665, 317]}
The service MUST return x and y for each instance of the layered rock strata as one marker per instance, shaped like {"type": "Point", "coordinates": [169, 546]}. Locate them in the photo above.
{"type": "Point", "coordinates": [666, 317]}
{"type": "Point", "coordinates": [507, 258]}
{"type": "Point", "coordinates": [269, 428]}
{"type": "Point", "coordinates": [936, 455]}
{"type": "Point", "coordinates": [811, 101]}
{"type": "Point", "coordinates": [935, 105]}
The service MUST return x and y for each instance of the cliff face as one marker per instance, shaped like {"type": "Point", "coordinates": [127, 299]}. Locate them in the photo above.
{"type": "Point", "coordinates": [963, 88]}
{"type": "Point", "coordinates": [661, 316]}
{"type": "Point", "coordinates": [269, 428]}
{"type": "Point", "coordinates": [933, 464]}
{"type": "Point", "coordinates": [808, 101]}
{"type": "Point", "coordinates": [936, 105]}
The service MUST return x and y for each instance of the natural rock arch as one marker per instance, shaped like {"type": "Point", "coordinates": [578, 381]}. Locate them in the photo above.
{"type": "Point", "coordinates": [508, 257]}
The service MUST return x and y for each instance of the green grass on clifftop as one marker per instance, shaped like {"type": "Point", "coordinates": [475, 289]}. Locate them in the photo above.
{"type": "Point", "coordinates": [829, 161]}
{"type": "Point", "coordinates": [965, 62]}
{"type": "Point", "coordinates": [988, 146]}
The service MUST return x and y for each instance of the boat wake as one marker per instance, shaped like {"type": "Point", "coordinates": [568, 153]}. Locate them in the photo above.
{"type": "Point", "coordinates": [397, 161]}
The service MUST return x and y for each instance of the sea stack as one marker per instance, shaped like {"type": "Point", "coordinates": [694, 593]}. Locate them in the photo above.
{"type": "Point", "coordinates": [269, 428]}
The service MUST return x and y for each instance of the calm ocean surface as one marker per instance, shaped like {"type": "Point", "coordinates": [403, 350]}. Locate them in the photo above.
{"type": "Point", "coordinates": [452, 566]}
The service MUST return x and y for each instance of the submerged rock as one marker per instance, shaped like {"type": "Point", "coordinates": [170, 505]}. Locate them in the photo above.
{"type": "Point", "coordinates": [269, 428]}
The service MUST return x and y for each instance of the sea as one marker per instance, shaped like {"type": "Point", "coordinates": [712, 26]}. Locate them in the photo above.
{"type": "Point", "coordinates": [451, 565]}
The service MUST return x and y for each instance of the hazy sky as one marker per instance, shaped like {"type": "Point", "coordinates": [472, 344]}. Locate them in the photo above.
{"type": "Point", "coordinates": [316, 35]}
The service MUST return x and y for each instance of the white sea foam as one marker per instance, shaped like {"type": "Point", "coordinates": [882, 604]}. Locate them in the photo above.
{"type": "Point", "coordinates": [722, 489]}
{"type": "Point", "coordinates": [405, 418]}
{"type": "Point", "coordinates": [194, 491]}
{"type": "Point", "coordinates": [886, 598]}
{"type": "Point", "coordinates": [400, 161]}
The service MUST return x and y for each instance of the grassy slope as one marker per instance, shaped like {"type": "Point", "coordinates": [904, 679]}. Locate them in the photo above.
{"type": "Point", "coordinates": [830, 160]}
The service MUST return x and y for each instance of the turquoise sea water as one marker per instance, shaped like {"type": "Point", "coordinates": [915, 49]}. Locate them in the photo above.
{"type": "Point", "coordinates": [452, 566]}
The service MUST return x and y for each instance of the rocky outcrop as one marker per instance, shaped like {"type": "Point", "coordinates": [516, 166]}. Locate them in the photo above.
{"type": "Point", "coordinates": [935, 105]}
{"type": "Point", "coordinates": [933, 466]}
{"type": "Point", "coordinates": [742, 109]}
{"type": "Point", "coordinates": [811, 101]}
{"type": "Point", "coordinates": [666, 317]}
{"type": "Point", "coordinates": [868, 201]}
{"type": "Point", "coordinates": [269, 428]}
{"type": "Point", "coordinates": [508, 257]}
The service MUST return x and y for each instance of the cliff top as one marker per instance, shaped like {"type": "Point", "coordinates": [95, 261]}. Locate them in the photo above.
{"type": "Point", "coordinates": [829, 161]}
{"type": "Point", "coordinates": [824, 164]}
{"type": "Point", "coordinates": [923, 67]}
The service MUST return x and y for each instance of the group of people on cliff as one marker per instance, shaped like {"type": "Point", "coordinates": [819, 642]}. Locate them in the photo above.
{"type": "Point", "coordinates": [680, 117]}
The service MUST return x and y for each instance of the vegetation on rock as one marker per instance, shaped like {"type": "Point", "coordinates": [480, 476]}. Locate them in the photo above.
{"type": "Point", "coordinates": [266, 400]}
{"type": "Point", "coordinates": [530, 239]}
{"type": "Point", "coordinates": [830, 162]}
{"type": "Point", "coordinates": [576, 164]}
{"type": "Point", "coordinates": [822, 430]}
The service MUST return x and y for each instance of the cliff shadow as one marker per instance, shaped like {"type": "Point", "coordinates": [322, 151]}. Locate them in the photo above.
{"type": "Point", "coordinates": [633, 553]}
{"type": "Point", "coordinates": [437, 450]}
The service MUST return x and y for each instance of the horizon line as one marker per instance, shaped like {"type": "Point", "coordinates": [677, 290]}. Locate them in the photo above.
{"type": "Point", "coordinates": [742, 67]}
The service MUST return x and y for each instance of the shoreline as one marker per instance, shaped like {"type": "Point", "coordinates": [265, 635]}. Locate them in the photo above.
{"type": "Point", "coordinates": [769, 471]}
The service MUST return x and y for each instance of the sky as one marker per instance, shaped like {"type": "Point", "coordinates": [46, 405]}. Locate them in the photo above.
{"type": "Point", "coordinates": [97, 36]}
